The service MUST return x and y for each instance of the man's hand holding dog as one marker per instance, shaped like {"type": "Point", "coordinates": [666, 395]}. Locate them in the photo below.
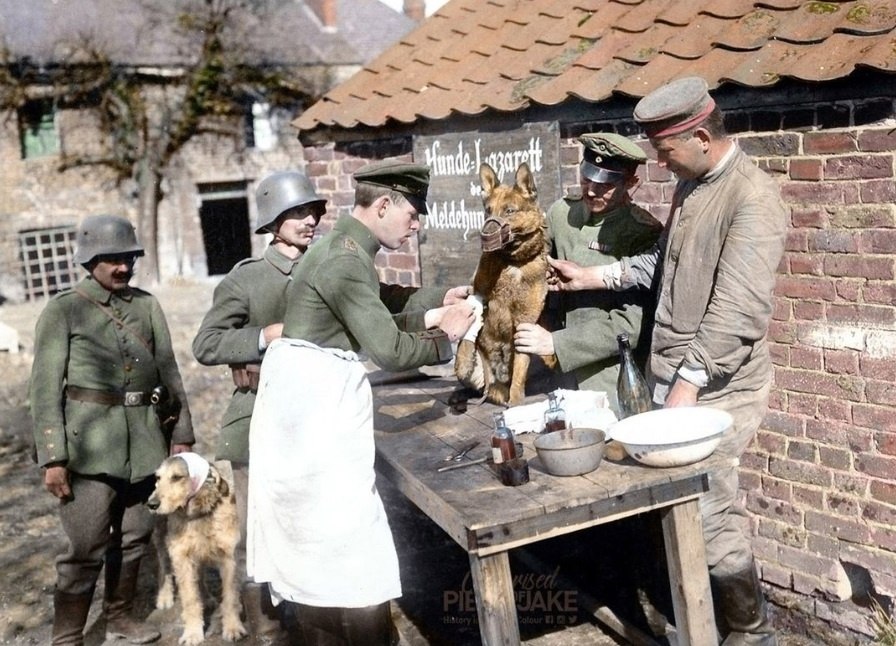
{"type": "Point", "coordinates": [533, 339]}
{"type": "Point", "coordinates": [454, 320]}
{"type": "Point", "coordinates": [57, 482]}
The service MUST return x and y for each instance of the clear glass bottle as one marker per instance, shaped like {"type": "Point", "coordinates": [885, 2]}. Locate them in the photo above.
{"type": "Point", "coordinates": [631, 387]}
{"type": "Point", "coordinates": [503, 446]}
{"type": "Point", "coordinates": [555, 415]}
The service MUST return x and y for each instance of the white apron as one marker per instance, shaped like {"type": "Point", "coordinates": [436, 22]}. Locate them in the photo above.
{"type": "Point", "coordinates": [317, 530]}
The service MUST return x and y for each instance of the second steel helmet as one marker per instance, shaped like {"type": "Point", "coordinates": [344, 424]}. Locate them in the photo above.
{"type": "Point", "coordinates": [282, 191]}
{"type": "Point", "coordinates": [105, 235]}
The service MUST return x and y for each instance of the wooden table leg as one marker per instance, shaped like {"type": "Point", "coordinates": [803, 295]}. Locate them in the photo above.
{"type": "Point", "coordinates": [688, 574]}
{"type": "Point", "coordinates": [495, 601]}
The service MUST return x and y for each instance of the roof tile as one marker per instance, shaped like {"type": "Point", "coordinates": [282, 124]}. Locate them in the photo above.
{"type": "Point", "coordinates": [475, 56]}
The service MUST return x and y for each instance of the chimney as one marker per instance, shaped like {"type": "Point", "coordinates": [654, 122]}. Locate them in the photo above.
{"type": "Point", "coordinates": [415, 9]}
{"type": "Point", "coordinates": [325, 10]}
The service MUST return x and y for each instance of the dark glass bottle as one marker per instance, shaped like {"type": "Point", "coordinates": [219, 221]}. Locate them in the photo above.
{"type": "Point", "coordinates": [503, 446]}
{"type": "Point", "coordinates": [554, 416]}
{"type": "Point", "coordinates": [631, 387]}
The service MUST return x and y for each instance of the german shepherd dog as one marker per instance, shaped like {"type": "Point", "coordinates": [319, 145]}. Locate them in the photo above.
{"type": "Point", "coordinates": [202, 527]}
{"type": "Point", "coordinates": [511, 281]}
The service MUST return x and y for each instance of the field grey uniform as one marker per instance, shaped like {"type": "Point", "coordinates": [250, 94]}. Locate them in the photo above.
{"type": "Point", "coordinates": [586, 345]}
{"type": "Point", "coordinates": [98, 355]}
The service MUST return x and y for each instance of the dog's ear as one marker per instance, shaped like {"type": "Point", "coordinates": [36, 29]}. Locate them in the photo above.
{"type": "Point", "coordinates": [525, 181]}
{"type": "Point", "coordinates": [488, 179]}
{"type": "Point", "coordinates": [220, 482]}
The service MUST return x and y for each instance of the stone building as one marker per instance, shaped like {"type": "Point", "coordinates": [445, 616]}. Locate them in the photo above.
{"type": "Point", "coordinates": [205, 214]}
{"type": "Point", "coordinates": [807, 88]}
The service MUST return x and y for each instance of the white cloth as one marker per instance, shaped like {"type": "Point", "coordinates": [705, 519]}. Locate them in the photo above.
{"type": "Point", "coordinates": [317, 530]}
{"type": "Point", "coordinates": [476, 302]}
{"type": "Point", "coordinates": [198, 468]}
{"type": "Point", "coordinates": [584, 409]}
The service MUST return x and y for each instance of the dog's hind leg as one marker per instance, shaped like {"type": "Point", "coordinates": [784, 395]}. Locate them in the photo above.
{"type": "Point", "coordinates": [231, 627]}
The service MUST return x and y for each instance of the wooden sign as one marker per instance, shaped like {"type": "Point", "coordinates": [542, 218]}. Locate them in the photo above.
{"type": "Point", "coordinates": [449, 235]}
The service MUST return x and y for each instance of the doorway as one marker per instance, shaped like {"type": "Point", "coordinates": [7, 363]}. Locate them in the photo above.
{"type": "Point", "coordinates": [224, 217]}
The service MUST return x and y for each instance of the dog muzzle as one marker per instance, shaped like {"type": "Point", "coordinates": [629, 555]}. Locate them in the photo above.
{"type": "Point", "coordinates": [495, 234]}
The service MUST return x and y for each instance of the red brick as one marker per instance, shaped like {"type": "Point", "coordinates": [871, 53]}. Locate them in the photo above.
{"type": "Point", "coordinates": [880, 241]}
{"type": "Point", "coordinates": [802, 561]}
{"type": "Point", "coordinates": [840, 434]}
{"type": "Point", "coordinates": [849, 290]}
{"type": "Point", "coordinates": [773, 166]}
{"type": "Point", "coordinates": [835, 525]}
{"type": "Point", "coordinates": [782, 332]}
{"type": "Point", "coordinates": [777, 401]}
{"type": "Point", "coordinates": [800, 472]}
{"type": "Point", "coordinates": [834, 409]}
{"type": "Point", "coordinates": [871, 557]}
{"type": "Point", "coordinates": [807, 496]}
{"type": "Point", "coordinates": [881, 392]}
{"type": "Point", "coordinates": [802, 451]}
{"type": "Point", "coordinates": [880, 513]}
{"type": "Point", "coordinates": [881, 368]}
{"type": "Point", "coordinates": [877, 140]}
{"type": "Point", "coordinates": [805, 381]}
{"type": "Point", "coordinates": [835, 458]}
{"type": "Point", "coordinates": [775, 509]}
{"type": "Point", "coordinates": [780, 354]}
{"type": "Point", "coordinates": [813, 218]}
{"type": "Point", "coordinates": [885, 443]}
{"type": "Point", "coordinates": [828, 142]}
{"type": "Point", "coordinates": [834, 240]}
{"type": "Point", "coordinates": [841, 361]}
{"type": "Point", "coordinates": [657, 173]}
{"type": "Point", "coordinates": [806, 263]}
{"type": "Point", "coordinates": [881, 293]}
{"type": "Point", "coordinates": [783, 309]}
{"type": "Point", "coordinates": [776, 488]}
{"type": "Point", "coordinates": [783, 424]}
{"type": "Point", "coordinates": [780, 532]}
{"type": "Point", "coordinates": [805, 287]}
{"type": "Point", "coordinates": [802, 404]}
{"type": "Point", "coordinates": [883, 491]}
{"type": "Point", "coordinates": [842, 505]}
{"type": "Point", "coordinates": [856, 486]}
{"type": "Point", "coordinates": [806, 358]}
{"type": "Point", "coordinates": [859, 266]}
{"type": "Point", "coordinates": [822, 545]}
{"type": "Point", "coordinates": [808, 311]}
{"type": "Point", "coordinates": [875, 315]}
{"type": "Point", "coordinates": [879, 466]}
{"type": "Point", "coordinates": [806, 169]}
{"type": "Point", "coordinates": [796, 240]}
{"type": "Point", "coordinates": [859, 167]}
{"type": "Point", "coordinates": [771, 443]}
{"type": "Point", "coordinates": [878, 192]}
{"type": "Point", "coordinates": [884, 538]}
{"type": "Point", "coordinates": [804, 193]}
{"type": "Point", "coordinates": [865, 216]}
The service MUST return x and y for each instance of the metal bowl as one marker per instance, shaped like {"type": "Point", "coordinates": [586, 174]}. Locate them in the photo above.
{"type": "Point", "coordinates": [571, 452]}
{"type": "Point", "coordinates": [671, 437]}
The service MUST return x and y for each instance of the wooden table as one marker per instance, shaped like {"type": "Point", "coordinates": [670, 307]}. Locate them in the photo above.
{"type": "Point", "coordinates": [416, 428]}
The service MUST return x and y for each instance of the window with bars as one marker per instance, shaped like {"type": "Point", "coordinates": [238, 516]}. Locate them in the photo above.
{"type": "Point", "coordinates": [48, 260]}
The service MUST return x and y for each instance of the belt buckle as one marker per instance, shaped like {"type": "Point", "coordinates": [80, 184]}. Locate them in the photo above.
{"type": "Point", "coordinates": [133, 398]}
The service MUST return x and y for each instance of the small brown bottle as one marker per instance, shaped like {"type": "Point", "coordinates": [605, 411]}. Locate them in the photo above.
{"type": "Point", "coordinates": [554, 416]}
{"type": "Point", "coordinates": [503, 445]}
{"type": "Point", "coordinates": [631, 387]}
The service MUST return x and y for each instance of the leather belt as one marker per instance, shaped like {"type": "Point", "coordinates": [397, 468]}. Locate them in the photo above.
{"type": "Point", "coordinates": [108, 398]}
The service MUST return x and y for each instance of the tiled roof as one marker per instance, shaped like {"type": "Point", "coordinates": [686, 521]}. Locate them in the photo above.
{"type": "Point", "coordinates": [477, 56]}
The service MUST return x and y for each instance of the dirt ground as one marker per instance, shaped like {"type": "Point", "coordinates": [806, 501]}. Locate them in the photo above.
{"type": "Point", "coordinates": [437, 606]}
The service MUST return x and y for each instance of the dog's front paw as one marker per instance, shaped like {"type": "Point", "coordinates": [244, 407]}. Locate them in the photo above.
{"type": "Point", "coordinates": [165, 596]}
{"type": "Point", "coordinates": [233, 631]}
{"type": "Point", "coordinates": [191, 636]}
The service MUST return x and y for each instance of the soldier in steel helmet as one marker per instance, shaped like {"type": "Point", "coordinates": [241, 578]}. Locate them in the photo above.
{"type": "Point", "coordinates": [245, 317]}
{"type": "Point", "coordinates": [317, 528]}
{"type": "Point", "coordinates": [596, 227]}
{"type": "Point", "coordinates": [101, 349]}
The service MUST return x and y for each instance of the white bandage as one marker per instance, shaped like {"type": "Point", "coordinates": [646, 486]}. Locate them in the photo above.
{"type": "Point", "coordinates": [475, 302]}
{"type": "Point", "coordinates": [198, 468]}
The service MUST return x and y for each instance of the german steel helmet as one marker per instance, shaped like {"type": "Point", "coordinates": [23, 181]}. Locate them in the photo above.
{"type": "Point", "coordinates": [105, 235]}
{"type": "Point", "coordinates": [282, 191]}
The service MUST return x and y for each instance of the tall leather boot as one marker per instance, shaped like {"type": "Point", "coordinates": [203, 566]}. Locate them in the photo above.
{"type": "Point", "coordinates": [121, 586]}
{"type": "Point", "coordinates": [69, 617]}
{"type": "Point", "coordinates": [262, 616]}
{"type": "Point", "coordinates": [740, 601]}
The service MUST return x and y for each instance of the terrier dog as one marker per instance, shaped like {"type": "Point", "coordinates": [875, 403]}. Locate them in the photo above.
{"type": "Point", "coordinates": [202, 528]}
{"type": "Point", "coordinates": [511, 281]}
